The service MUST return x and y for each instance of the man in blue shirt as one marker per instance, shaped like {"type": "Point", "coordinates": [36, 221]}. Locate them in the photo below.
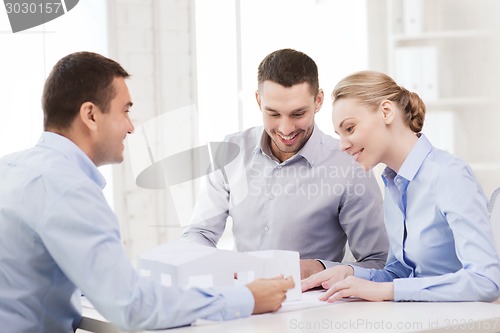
{"type": "Point", "coordinates": [291, 187]}
{"type": "Point", "coordinates": [58, 236]}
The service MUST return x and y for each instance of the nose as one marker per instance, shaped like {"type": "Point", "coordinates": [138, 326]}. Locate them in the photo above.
{"type": "Point", "coordinates": [344, 144]}
{"type": "Point", "coordinates": [286, 126]}
{"type": "Point", "coordinates": [131, 127]}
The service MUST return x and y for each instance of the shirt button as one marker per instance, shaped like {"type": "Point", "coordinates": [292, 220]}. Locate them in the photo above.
{"type": "Point", "coordinates": [271, 197]}
{"type": "Point", "coordinates": [266, 228]}
{"type": "Point", "coordinates": [279, 166]}
{"type": "Point", "coordinates": [398, 180]}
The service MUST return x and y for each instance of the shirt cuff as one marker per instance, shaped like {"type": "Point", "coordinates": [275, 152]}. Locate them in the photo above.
{"type": "Point", "coordinates": [361, 272]}
{"type": "Point", "coordinates": [404, 290]}
{"type": "Point", "coordinates": [322, 263]}
{"type": "Point", "coordinates": [239, 302]}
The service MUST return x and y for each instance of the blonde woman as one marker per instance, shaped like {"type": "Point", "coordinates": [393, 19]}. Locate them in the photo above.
{"type": "Point", "coordinates": [441, 245]}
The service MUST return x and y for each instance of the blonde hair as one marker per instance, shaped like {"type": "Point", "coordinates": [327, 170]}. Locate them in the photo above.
{"type": "Point", "coordinates": [371, 88]}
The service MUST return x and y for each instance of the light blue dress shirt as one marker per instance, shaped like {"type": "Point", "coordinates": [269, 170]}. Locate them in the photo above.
{"type": "Point", "coordinates": [57, 234]}
{"type": "Point", "coordinates": [312, 203]}
{"type": "Point", "coordinates": [441, 245]}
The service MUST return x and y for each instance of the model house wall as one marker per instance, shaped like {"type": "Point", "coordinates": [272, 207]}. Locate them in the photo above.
{"type": "Point", "coordinates": [186, 265]}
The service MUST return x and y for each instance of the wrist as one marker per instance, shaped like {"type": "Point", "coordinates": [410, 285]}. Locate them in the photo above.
{"type": "Point", "coordinates": [389, 291]}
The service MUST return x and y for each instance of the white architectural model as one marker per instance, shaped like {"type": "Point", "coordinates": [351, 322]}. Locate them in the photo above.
{"type": "Point", "coordinates": [187, 265]}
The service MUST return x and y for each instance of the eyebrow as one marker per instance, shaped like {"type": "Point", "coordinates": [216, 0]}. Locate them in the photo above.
{"type": "Point", "coordinates": [342, 122]}
{"type": "Point", "coordinates": [301, 109]}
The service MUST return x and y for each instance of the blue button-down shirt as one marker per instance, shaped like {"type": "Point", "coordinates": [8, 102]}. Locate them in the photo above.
{"type": "Point", "coordinates": [441, 245]}
{"type": "Point", "coordinates": [311, 203]}
{"type": "Point", "coordinates": [57, 234]}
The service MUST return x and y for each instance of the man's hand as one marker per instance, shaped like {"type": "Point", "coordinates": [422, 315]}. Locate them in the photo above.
{"type": "Point", "coordinates": [327, 277]}
{"type": "Point", "coordinates": [269, 294]}
{"type": "Point", "coordinates": [310, 266]}
{"type": "Point", "coordinates": [360, 288]}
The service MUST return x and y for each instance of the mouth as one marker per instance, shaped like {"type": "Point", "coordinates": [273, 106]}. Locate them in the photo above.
{"type": "Point", "coordinates": [288, 139]}
{"type": "Point", "coordinates": [356, 154]}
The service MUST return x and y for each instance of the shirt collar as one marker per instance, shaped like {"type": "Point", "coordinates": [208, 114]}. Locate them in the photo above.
{"type": "Point", "coordinates": [308, 152]}
{"type": "Point", "coordinates": [73, 153]}
{"type": "Point", "coordinates": [413, 161]}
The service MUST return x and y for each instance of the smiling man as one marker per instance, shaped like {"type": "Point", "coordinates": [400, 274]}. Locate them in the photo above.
{"type": "Point", "coordinates": [291, 187]}
{"type": "Point", "coordinates": [58, 236]}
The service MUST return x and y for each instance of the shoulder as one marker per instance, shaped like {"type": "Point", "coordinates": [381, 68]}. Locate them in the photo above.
{"type": "Point", "coordinates": [45, 167]}
{"type": "Point", "coordinates": [445, 164]}
{"type": "Point", "coordinates": [330, 142]}
{"type": "Point", "coordinates": [37, 182]}
{"type": "Point", "coordinates": [330, 151]}
{"type": "Point", "coordinates": [449, 174]}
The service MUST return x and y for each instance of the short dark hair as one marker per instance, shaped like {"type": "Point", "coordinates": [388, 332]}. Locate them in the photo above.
{"type": "Point", "coordinates": [78, 78]}
{"type": "Point", "coordinates": [289, 67]}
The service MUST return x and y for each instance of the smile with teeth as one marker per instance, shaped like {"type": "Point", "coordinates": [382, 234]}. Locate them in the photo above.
{"type": "Point", "coordinates": [288, 138]}
{"type": "Point", "coordinates": [356, 154]}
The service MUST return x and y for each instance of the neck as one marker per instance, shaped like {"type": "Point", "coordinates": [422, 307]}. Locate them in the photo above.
{"type": "Point", "coordinates": [76, 134]}
{"type": "Point", "coordinates": [281, 156]}
{"type": "Point", "coordinates": [402, 144]}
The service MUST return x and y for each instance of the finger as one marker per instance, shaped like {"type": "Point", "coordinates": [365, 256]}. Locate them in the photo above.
{"type": "Point", "coordinates": [328, 294]}
{"type": "Point", "coordinates": [341, 285]}
{"type": "Point", "coordinates": [274, 278]}
{"type": "Point", "coordinates": [286, 284]}
{"type": "Point", "coordinates": [306, 284]}
{"type": "Point", "coordinates": [311, 282]}
{"type": "Point", "coordinates": [329, 283]}
{"type": "Point", "coordinates": [345, 293]}
{"type": "Point", "coordinates": [289, 282]}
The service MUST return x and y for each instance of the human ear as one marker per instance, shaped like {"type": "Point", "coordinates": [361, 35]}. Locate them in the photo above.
{"type": "Point", "coordinates": [320, 97]}
{"type": "Point", "coordinates": [388, 110]}
{"type": "Point", "coordinates": [87, 115]}
{"type": "Point", "coordinates": [257, 97]}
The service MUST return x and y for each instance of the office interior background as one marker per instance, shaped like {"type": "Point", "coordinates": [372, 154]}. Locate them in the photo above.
{"type": "Point", "coordinates": [202, 56]}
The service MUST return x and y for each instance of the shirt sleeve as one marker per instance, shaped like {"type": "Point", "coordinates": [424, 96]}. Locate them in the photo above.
{"type": "Point", "coordinates": [393, 269]}
{"type": "Point", "coordinates": [361, 217]}
{"type": "Point", "coordinates": [81, 233]}
{"type": "Point", "coordinates": [208, 221]}
{"type": "Point", "coordinates": [461, 200]}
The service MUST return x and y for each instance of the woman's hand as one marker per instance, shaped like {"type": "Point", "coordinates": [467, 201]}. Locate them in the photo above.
{"type": "Point", "coordinates": [327, 278]}
{"type": "Point", "coordinates": [360, 288]}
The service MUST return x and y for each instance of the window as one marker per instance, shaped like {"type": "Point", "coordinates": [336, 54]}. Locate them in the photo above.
{"type": "Point", "coordinates": [26, 60]}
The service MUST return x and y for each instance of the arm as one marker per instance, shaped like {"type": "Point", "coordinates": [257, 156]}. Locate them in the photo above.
{"type": "Point", "coordinates": [463, 205]}
{"type": "Point", "coordinates": [329, 277]}
{"type": "Point", "coordinates": [393, 269]}
{"type": "Point", "coordinates": [350, 281]}
{"type": "Point", "coordinates": [361, 216]}
{"type": "Point", "coordinates": [208, 221]}
{"type": "Point", "coordinates": [86, 246]}
{"type": "Point", "coordinates": [309, 267]}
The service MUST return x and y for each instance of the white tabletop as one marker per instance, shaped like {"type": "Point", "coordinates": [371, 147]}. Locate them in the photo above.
{"type": "Point", "coordinates": [346, 316]}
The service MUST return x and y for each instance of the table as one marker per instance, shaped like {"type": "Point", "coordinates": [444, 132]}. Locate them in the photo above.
{"type": "Point", "coordinates": [347, 316]}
